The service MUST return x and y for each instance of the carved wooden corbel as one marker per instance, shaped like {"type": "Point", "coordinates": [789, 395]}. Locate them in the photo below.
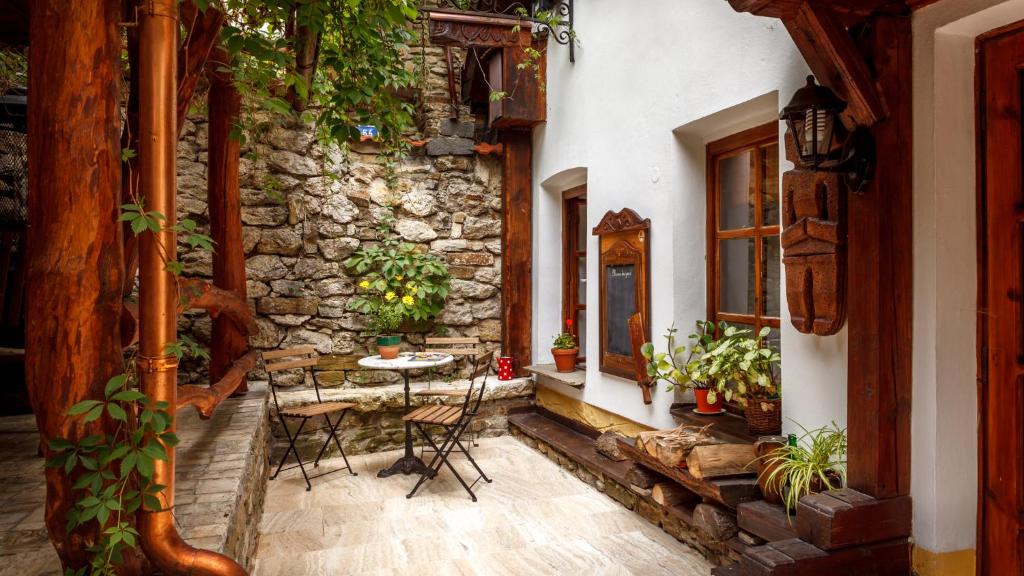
{"type": "Point", "coordinates": [814, 248]}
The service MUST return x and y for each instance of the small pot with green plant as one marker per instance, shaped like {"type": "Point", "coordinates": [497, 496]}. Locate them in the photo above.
{"type": "Point", "coordinates": [671, 368]}
{"type": "Point", "coordinates": [813, 462]}
{"type": "Point", "coordinates": [565, 350]}
{"type": "Point", "coordinates": [399, 282]}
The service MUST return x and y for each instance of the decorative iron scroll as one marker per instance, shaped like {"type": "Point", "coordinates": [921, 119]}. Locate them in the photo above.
{"type": "Point", "coordinates": [562, 31]}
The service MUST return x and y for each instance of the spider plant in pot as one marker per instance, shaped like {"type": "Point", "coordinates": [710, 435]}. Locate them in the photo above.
{"type": "Point", "coordinates": [565, 350]}
{"type": "Point", "coordinates": [813, 462]}
{"type": "Point", "coordinates": [679, 370]}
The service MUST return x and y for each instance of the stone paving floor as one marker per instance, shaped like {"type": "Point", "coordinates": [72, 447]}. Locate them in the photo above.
{"type": "Point", "coordinates": [535, 518]}
{"type": "Point", "coordinates": [221, 471]}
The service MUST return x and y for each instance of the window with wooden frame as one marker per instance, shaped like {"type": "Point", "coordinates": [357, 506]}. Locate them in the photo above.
{"type": "Point", "coordinates": [574, 264]}
{"type": "Point", "coordinates": [744, 262]}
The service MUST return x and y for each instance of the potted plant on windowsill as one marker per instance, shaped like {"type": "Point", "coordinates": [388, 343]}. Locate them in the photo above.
{"type": "Point", "coordinates": [399, 283]}
{"type": "Point", "coordinates": [753, 367]}
{"type": "Point", "coordinates": [565, 350]}
{"type": "Point", "coordinates": [678, 371]}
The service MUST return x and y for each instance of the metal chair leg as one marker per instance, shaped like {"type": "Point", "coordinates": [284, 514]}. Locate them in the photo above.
{"type": "Point", "coordinates": [473, 462]}
{"type": "Point", "coordinates": [431, 470]}
{"type": "Point", "coordinates": [292, 449]}
{"type": "Point", "coordinates": [333, 434]}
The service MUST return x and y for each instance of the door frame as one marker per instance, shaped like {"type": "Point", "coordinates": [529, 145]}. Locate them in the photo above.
{"type": "Point", "coordinates": [981, 179]}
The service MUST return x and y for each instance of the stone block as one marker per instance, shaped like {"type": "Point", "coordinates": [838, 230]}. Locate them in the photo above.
{"type": "Point", "coordinates": [474, 290]}
{"type": "Point", "coordinates": [307, 305]}
{"type": "Point", "coordinates": [279, 241]}
{"type": "Point", "coordinates": [338, 362]}
{"type": "Point", "coordinates": [478, 228]}
{"type": "Point", "coordinates": [415, 230]}
{"type": "Point", "coordinates": [292, 163]}
{"type": "Point", "coordinates": [450, 146]}
{"type": "Point", "coordinates": [470, 259]}
{"type": "Point", "coordinates": [449, 127]}
{"type": "Point", "coordinates": [462, 272]}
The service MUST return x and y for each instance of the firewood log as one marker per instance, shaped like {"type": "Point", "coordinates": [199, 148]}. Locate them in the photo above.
{"type": "Point", "coordinates": [670, 494]}
{"type": "Point", "coordinates": [671, 447]}
{"type": "Point", "coordinates": [713, 461]}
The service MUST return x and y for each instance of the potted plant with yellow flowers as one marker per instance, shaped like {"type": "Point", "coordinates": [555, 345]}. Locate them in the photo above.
{"type": "Point", "coordinates": [398, 282]}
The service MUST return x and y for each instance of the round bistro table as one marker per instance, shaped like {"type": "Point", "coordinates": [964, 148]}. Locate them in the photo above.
{"type": "Point", "coordinates": [410, 463]}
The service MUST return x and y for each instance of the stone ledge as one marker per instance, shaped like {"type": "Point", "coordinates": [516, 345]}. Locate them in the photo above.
{"type": "Point", "coordinates": [548, 374]}
{"type": "Point", "coordinates": [392, 396]}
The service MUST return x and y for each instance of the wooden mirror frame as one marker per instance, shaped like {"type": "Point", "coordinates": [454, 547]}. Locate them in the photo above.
{"type": "Point", "coordinates": [624, 240]}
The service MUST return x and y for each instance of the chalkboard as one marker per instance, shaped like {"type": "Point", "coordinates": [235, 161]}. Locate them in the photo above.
{"type": "Point", "coordinates": [620, 282]}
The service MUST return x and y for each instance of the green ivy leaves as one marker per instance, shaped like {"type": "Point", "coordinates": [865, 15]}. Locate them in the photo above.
{"type": "Point", "coordinates": [115, 471]}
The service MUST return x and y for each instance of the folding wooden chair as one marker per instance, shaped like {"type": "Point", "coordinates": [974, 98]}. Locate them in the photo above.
{"type": "Point", "coordinates": [459, 348]}
{"type": "Point", "coordinates": [454, 420]}
{"type": "Point", "coordinates": [304, 358]}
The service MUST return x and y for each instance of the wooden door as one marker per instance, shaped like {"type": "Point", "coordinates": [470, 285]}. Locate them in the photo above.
{"type": "Point", "coordinates": [1001, 293]}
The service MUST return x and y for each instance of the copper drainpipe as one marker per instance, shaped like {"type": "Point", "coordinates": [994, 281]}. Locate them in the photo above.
{"type": "Point", "coordinates": [158, 372]}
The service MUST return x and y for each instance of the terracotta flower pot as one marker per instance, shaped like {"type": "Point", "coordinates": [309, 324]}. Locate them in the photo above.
{"type": "Point", "coordinates": [565, 360]}
{"type": "Point", "coordinates": [764, 417]}
{"type": "Point", "coordinates": [705, 407]}
{"type": "Point", "coordinates": [389, 346]}
{"type": "Point", "coordinates": [772, 493]}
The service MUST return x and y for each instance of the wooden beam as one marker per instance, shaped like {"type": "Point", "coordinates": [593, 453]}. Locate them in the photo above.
{"type": "Point", "coordinates": [229, 342]}
{"type": "Point", "coordinates": [202, 30]}
{"type": "Point", "coordinates": [517, 247]}
{"type": "Point", "coordinates": [74, 263]}
{"type": "Point", "coordinates": [880, 269]}
{"type": "Point", "coordinates": [463, 30]}
{"type": "Point", "coordinates": [768, 8]}
{"type": "Point", "coordinates": [836, 62]}
{"type": "Point", "coordinates": [206, 400]}
{"type": "Point", "coordinates": [845, 518]}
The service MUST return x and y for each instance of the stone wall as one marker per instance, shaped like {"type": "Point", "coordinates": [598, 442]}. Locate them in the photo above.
{"type": "Point", "coordinates": [306, 209]}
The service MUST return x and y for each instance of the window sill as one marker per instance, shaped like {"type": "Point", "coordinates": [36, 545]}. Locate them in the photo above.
{"type": "Point", "coordinates": [547, 374]}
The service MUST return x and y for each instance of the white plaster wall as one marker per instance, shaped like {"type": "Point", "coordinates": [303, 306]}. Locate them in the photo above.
{"type": "Point", "coordinates": [650, 87]}
{"type": "Point", "coordinates": [944, 422]}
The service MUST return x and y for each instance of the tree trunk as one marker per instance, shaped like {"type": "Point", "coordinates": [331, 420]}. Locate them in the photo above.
{"type": "Point", "coordinates": [224, 199]}
{"type": "Point", "coordinates": [74, 253]}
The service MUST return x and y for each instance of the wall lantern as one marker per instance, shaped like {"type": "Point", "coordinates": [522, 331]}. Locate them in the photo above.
{"type": "Point", "coordinates": [822, 142]}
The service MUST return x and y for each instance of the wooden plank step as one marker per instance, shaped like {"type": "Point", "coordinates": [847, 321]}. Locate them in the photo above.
{"type": "Point", "coordinates": [766, 521]}
{"type": "Point", "coordinates": [795, 557]}
{"type": "Point", "coordinates": [726, 491]}
{"type": "Point", "coordinates": [737, 569]}
{"type": "Point", "coordinates": [573, 444]}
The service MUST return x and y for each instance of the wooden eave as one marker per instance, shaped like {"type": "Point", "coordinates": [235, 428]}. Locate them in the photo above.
{"type": "Point", "coordinates": [473, 29]}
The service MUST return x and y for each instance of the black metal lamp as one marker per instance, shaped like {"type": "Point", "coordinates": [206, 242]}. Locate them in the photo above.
{"type": "Point", "coordinates": [813, 119]}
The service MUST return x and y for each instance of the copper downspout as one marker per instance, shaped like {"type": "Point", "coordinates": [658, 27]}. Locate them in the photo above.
{"type": "Point", "coordinates": [158, 372]}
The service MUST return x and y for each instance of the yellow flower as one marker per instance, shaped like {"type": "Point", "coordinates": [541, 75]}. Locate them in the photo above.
{"type": "Point", "coordinates": [389, 296]}
{"type": "Point", "coordinates": [364, 284]}
{"type": "Point", "coordinates": [399, 278]}
{"type": "Point", "coordinates": [410, 285]}
{"type": "Point", "coordinates": [407, 300]}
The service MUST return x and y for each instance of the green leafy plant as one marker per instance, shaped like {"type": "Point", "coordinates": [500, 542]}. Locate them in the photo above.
{"type": "Point", "coordinates": [115, 471]}
{"type": "Point", "coordinates": [398, 282]}
{"type": "Point", "coordinates": [564, 341]}
{"type": "Point", "coordinates": [735, 364]}
{"type": "Point", "coordinates": [816, 463]}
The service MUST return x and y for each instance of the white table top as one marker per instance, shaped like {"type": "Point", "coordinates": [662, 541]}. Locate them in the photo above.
{"type": "Point", "coordinates": [406, 361]}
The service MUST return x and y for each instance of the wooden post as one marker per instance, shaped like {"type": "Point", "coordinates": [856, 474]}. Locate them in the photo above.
{"type": "Point", "coordinates": [224, 199]}
{"type": "Point", "coordinates": [881, 282]}
{"type": "Point", "coordinates": [74, 258]}
{"type": "Point", "coordinates": [517, 246]}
